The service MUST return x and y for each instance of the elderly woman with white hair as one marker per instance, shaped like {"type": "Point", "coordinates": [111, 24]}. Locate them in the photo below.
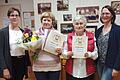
{"type": "Point", "coordinates": [80, 68]}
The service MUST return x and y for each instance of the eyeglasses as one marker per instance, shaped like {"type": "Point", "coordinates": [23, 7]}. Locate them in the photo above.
{"type": "Point", "coordinates": [105, 13]}
{"type": "Point", "coordinates": [14, 15]}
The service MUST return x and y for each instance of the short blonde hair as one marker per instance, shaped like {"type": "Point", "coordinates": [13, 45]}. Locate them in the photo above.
{"type": "Point", "coordinates": [80, 17]}
{"type": "Point", "coordinates": [48, 15]}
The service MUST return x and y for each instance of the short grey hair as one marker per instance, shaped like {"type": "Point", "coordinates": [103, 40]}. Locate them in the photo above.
{"type": "Point", "coordinates": [80, 17]}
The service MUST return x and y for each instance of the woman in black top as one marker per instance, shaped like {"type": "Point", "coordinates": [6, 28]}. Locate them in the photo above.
{"type": "Point", "coordinates": [13, 61]}
{"type": "Point", "coordinates": [108, 43]}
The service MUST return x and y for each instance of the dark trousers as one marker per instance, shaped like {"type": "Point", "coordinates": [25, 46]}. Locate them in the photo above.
{"type": "Point", "coordinates": [18, 68]}
{"type": "Point", "coordinates": [50, 75]}
{"type": "Point", "coordinates": [70, 77]}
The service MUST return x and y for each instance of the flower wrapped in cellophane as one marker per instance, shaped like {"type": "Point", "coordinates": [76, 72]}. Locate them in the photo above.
{"type": "Point", "coordinates": [31, 40]}
{"type": "Point", "coordinates": [34, 43]}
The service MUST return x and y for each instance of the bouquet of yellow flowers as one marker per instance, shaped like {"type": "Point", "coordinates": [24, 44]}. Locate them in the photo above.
{"type": "Point", "coordinates": [32, 41]}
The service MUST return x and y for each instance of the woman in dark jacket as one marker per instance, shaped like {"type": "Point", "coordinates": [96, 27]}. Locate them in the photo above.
{"type": "Point", "coordinates": [108, 43]}
{"type": "Point", "coordinates": [13, 61]}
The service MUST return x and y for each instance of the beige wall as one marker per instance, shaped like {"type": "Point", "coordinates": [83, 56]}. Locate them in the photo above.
{"type": "Point", "coordinates": [23, 5]}
{"type": "Point", "coordinates": [31, 5]}
{"type": "Point", "coordinates": [3, 14]}
{"type": "Point", "coordinates": [72, 10]}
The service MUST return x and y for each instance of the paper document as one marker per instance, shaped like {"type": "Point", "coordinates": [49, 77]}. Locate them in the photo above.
{"type": "Point", "coordinates": [54, 40]}
{"type": "Point", "coordinates": [79, 46]}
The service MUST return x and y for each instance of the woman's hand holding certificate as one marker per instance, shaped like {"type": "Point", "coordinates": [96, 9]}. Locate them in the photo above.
{"type": "Point", "coordinates": [53, 41]}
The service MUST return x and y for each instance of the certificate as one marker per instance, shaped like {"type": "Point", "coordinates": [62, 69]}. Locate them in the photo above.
{"type": "Point", "coordinates": [54, 40]}
{"type": "Point", "coordinates": [79, 46]}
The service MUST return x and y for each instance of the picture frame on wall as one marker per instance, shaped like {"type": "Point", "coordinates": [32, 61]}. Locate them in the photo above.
{"type": "Point", "coordinates": [67, 17]}
{"type": "Point", "coordinates": [66, 28]}
{"type": "Point", "coordinates": [62, 5]}
{"type": "Point", "coordinates": [91, 29]}
{"type": "Point", "coordinates": [91, 13]}
{"type": "Point", "coordinates": [44, 7]}
{"type": "Point", "coordinates": [28, 19]}
{"type": "Point", "coordinates": [116, 6]}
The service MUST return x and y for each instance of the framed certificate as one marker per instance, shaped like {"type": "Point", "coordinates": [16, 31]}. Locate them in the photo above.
{"type": "Point", "coordinates": [79, 46]}
{"type": "Point", "coordinates": [53, 41]}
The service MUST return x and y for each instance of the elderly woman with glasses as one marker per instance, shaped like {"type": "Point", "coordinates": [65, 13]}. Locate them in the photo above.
{"type": "Point", "coordinates": [80, 68]}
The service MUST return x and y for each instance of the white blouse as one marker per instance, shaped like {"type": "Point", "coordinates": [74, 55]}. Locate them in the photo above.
{"type": "Point", "coordinates": [15, 38]}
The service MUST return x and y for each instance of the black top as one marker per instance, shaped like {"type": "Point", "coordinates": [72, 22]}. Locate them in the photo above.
{"type": "Point", "coordinates": [113, 52]}
{"type": "Point", "coordinates": [5, 57]}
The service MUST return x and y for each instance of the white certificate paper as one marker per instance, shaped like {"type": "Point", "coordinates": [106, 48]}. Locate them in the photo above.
{"type": "Point", "coordinates": [54, 40]}
{"type": "Point", "coordinates": [79, 46]}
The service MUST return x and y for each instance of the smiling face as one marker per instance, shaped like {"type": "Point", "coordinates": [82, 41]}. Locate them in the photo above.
{"type": "Point", "coordinates": [79, 26]}
{"type": "Point", "coordinates": [14, 18]}
{"type": "Point", "coordinates": [47, 19]}
{"type": "Point", "coordinates": [47, 23]}
{"type": "Point", "coordinates": [106, 16]}
{"type": "Point", "coordinates": [79, 23]}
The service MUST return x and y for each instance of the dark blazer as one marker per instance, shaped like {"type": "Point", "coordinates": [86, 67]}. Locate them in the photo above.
{"type": "Point", "coordinates": [5, 57]}
{"type": "Point", "coordinates": [113, 52]}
